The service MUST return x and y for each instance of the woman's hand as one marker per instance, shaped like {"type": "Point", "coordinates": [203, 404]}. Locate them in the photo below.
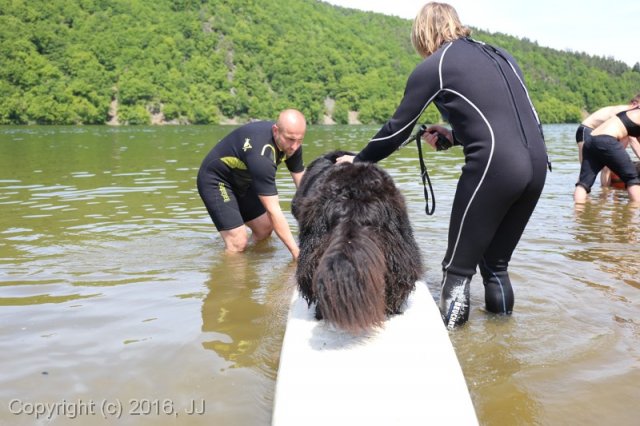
{"type": "Point", "coordinates": [345, 159]}
{"type": "Point", "coordinates": [430, 136]}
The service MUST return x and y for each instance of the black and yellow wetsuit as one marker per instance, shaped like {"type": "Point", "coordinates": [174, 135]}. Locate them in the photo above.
{"type": "Point", "coordinates": [480, 91]}
{"type": "Point", "coordinates": [239, 168]}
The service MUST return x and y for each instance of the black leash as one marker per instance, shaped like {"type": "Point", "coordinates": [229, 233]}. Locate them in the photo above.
{"type": "Point", "coordinates": [424, 173]}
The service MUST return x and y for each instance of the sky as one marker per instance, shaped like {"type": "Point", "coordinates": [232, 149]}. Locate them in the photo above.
{"type": "Point", "coordinates": [597, 27]}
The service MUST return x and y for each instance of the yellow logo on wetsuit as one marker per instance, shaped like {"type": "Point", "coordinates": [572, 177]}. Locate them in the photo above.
{"type": "Point", "coordinates": [247, 145]}
{"type": "Point", "coordinates": [223, 192]}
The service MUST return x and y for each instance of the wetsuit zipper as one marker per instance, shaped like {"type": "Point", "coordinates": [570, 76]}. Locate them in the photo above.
{"type": "Point", "coordinates": [488, 51]}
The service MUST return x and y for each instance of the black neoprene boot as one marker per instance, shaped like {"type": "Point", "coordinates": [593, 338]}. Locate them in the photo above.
{"type": "Point", "coordinates": [498, 293]}
{"type": "Point", "coordinates": [454, 299]}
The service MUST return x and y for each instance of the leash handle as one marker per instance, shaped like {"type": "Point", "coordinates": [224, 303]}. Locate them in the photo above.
{"type": "Point", "coordinates": [425, 174]}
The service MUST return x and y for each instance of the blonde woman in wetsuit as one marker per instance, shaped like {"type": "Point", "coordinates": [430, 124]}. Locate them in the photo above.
{"type": "Point", "coordinates": [479, 90]}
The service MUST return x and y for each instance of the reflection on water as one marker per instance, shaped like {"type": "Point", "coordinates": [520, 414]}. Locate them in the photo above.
{"type": "Point", "coordinates": [243, 319]}
{"type": "Point", "coordinates": [606, 232]}
{"type": "Point", "coordinates": [231, 301]}
{"type": "Point", "coordinates": [114, 284]}
{"type": "Point", "coordinates": [239, 294]}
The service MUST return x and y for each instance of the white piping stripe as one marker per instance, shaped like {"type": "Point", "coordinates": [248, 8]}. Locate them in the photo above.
{"type": "Point", "coordinates": [440, 64]}
{"type": "Point", "coordinates": [412, 122]}
{"type": "Point", "coordinates": [484, 174]}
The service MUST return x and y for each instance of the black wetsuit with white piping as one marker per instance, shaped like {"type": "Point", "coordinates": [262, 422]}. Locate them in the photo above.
{"type": "Point", "coordinates": [480, 91]}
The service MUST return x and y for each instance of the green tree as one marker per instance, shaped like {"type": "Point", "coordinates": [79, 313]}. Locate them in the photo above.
{"type": "Point", "coordinates": [202, 61]}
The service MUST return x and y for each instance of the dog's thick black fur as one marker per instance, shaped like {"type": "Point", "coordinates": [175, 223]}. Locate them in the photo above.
{"type": "Point", "coordinates": [358, 258]}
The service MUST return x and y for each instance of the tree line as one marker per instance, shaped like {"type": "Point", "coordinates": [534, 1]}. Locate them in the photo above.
{"type": "Point", "coordinates": [211, 61]}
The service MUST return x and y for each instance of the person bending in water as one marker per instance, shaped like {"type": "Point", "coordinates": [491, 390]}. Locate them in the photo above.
{"type": "Point", "coordinates": [480, 90]}
{"type": "Point", "coordinates": [597, 118]}
{"type": "Point", "coordinates": [237, 180]}
{"type": "Point", "coordinates": [607, 147]}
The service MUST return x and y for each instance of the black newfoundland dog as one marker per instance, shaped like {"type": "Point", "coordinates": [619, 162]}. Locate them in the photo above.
{"type": "Point", "coordinates": [358, 258]}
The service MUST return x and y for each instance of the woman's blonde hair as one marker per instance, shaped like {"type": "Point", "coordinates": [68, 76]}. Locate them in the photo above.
{"type": "Point", "coordinates": [436, 24]}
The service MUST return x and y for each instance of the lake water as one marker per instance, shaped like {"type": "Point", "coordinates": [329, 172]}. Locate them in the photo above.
{"type": "Point", "coordinates": [117, 301]}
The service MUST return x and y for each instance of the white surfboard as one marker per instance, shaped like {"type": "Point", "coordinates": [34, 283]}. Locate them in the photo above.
{"type": "Point", "coordinates": [407, 373]}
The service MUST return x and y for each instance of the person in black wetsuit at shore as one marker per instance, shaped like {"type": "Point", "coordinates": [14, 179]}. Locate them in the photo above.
{"type": "Point", "coordinates": [607, 147]}
{"type": "Point", "coordinates": [479, 90]}
{"type": "Point", "coordinates": [237, 180]}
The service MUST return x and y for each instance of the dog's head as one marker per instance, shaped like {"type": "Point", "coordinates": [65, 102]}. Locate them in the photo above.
{"type": "Point", "coordinates": [313, 173]}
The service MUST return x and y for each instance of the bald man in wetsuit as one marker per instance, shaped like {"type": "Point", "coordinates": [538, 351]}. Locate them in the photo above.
{"type": "Point", "coordinates": [237, 180]}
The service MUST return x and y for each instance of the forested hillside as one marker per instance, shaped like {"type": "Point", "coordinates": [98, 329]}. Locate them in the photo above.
{"type": "Point", "coordinates": [213, 61]}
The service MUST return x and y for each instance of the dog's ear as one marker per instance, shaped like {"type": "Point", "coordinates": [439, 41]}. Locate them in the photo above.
{"type": "Point", "coordinates": [308, 191]}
